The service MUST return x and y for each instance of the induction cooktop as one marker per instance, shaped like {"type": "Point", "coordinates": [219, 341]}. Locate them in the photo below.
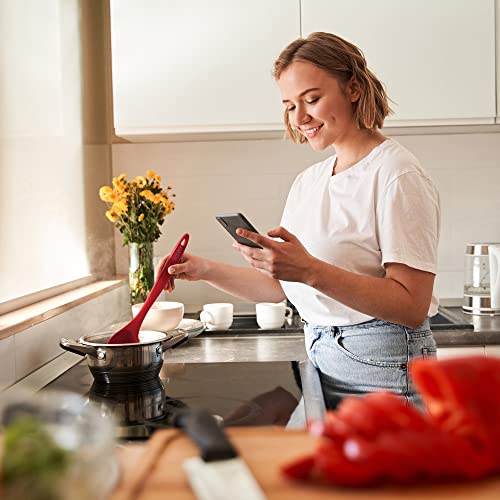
{"type": "Point", "coordinates": [239, 393]}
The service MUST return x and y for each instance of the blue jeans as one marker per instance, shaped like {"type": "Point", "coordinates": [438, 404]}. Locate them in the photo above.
{"type": "Point", "coordinates": [372, 356]}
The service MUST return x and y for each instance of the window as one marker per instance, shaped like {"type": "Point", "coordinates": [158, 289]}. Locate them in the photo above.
{"type": "Point", "coordinates": [42, 207]}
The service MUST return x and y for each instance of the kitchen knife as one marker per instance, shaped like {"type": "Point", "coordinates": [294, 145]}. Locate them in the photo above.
{"type": "Point", "coordinates": [219, 473]}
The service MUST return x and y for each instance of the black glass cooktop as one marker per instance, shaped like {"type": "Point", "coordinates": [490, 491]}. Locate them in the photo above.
{"type": "Point", "coordinates": [250, 393]}
{"type": "Point", "coordinates": [444, 320]}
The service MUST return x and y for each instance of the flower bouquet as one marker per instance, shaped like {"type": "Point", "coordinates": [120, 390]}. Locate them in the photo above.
{"type": "Point", "coordinates": [138, 208]}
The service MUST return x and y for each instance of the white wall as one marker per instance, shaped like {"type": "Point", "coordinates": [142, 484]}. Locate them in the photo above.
{"type": "Point", "coordinates": [253, 177]}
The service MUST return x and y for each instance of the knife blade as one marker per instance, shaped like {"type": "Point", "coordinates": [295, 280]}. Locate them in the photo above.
{"type": "Point", "coordinates": [218, 473]}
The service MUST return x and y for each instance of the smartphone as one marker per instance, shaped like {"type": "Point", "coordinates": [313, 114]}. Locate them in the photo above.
{"type": "Point", "coordinates": [231, 222]}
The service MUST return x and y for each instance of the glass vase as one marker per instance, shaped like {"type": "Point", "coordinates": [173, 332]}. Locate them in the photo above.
{"type": "Point", "coordinates": [140, 271]}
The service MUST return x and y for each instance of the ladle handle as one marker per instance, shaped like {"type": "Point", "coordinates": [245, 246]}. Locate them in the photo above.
{"type": "Point", "coordinates": [174, 258]}
{"type": "Point", "coordinates": [163, 276]}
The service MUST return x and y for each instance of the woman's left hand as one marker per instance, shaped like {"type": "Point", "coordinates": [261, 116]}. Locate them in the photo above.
{"type": "Point", "coordinates": [285, 260]}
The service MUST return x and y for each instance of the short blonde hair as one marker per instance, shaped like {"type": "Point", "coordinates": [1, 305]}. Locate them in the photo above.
{"type": "Point", "coordinates": [344, 61]}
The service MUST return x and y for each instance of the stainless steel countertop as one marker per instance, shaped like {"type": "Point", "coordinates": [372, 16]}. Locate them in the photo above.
{"type": "Point", "coordinates": [227, 348]}
{"type": "Point", "coordinates": [486, 331]}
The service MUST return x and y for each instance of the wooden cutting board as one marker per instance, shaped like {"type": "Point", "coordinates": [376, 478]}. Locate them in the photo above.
{"type": "Point", "coordinates": [155, 470]}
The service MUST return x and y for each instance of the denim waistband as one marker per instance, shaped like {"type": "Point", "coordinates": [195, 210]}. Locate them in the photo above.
{"type": "Point", "coordinates": [423, 329]}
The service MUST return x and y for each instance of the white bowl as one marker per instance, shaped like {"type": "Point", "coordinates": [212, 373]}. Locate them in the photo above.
{"type": "Point", "coordinates": [162, 317]}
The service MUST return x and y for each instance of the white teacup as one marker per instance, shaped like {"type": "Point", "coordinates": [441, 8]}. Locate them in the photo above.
{"type": "Point", "coordinates": [218, 316]}
{"type": "Point", "coordinates": [270, 315]}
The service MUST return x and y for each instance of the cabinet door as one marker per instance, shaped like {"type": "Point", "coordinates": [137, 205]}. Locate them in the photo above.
{"type": "Point", "coordinates": [458, 352]}
{"type": "Point", "coordinates": [437, 59]}
{"type": "Point", "coordinates": [198, 66]}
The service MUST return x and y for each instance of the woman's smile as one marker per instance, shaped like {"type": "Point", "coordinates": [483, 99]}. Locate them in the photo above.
{"type": "Point", "coordinates": [311, 132]}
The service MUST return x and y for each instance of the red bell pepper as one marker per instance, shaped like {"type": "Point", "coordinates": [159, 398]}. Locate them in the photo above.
{"type": "Point", "coordinates": [381, 438]}
{"type": "Point", "coordinates": [462, 398]}
{"type": "Point", "coordinates": [299, 469]}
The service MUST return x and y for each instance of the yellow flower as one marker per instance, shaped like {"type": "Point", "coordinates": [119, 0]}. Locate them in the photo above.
{"type": "Point", "coordinates": [120, 183]}
{"type": "Point", "coordinates": [148, 195]}
{"type": "Point", "coordinates": [120, 207]}
{"type": "Point", "coordinates": [163, 200]}
{"type": "Point", "coordinates": [154, 176]}
{"type": "Point", "coordinates": [140, 180]}
{"type": "Point", "coordinates": [111, 215]}
{"type": "Point", "coordinates": [168, 208]}
{"type": "Point", "coordinates": [107, 194]}
{"type": "Point", "coordinates": [141, 218]}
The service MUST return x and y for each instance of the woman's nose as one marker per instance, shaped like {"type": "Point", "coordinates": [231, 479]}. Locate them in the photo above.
{"type": "Point", "coordinates": [301, 117]}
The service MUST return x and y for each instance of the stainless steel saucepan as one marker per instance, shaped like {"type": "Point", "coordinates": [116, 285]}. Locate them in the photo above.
{"type": "Point", "coordinates": [125, 363]}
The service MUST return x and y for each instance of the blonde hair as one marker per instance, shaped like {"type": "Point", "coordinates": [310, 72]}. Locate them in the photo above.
{"type": "Point", "coordinates": [344, 61]}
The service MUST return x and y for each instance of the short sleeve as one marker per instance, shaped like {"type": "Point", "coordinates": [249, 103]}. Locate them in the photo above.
{"type": "Point", "coordinates": [408, 222]}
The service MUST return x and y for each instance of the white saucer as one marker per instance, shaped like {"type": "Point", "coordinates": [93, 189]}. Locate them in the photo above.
{"type": "Point", "coordinates": [193, 327]}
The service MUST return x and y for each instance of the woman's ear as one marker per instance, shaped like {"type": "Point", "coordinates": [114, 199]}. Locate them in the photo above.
{"type": "Point", "coordinates": [354, 90]}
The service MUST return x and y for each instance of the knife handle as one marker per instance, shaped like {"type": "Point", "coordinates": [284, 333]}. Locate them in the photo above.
{"type": "Point", "coordinates": [205, 431]}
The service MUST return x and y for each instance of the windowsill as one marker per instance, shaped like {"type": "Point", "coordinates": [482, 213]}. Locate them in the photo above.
{"type": "Point", "coordinates": [26, 317]}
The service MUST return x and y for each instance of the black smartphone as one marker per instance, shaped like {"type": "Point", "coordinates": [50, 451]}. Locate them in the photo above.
{"type": "Point", "coordinates": [231, 222]}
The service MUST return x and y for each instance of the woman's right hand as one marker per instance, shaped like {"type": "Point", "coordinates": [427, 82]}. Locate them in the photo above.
{"type": "Point", "coordinates": [191, 268]}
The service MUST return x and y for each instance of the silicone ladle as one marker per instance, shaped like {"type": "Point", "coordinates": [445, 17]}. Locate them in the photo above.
{"type": "Point", "coordinates": [129, 334]}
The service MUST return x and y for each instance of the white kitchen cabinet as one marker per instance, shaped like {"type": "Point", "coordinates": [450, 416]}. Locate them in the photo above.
{"type": "Point", "coordinates": [198, 66]}
{"type": "Point", "coordinates": [458, 352]}
{"type": "Point", "coordinates": [437, 59]}
{"type": "Point", "coordinates": [492, 350]}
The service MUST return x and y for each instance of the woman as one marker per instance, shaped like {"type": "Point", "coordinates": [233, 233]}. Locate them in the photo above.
{"type": "Point", "coordinates": [356, 249]}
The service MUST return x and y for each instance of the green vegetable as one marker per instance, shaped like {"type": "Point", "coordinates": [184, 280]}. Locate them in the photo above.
{"type": "Point", "coordinates": [32, 462]}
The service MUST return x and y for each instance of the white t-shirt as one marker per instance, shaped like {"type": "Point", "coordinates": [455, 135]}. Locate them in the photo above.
{"type": "Point", "coordinates": [385, 208]}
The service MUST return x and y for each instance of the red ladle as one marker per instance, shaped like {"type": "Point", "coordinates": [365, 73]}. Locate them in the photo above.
{"type": "Point", "coordinates": [129, 334]}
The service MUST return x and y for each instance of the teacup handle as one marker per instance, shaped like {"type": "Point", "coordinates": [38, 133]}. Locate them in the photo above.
{"type": "Point", "coordinates": [207, 317]}
{"type": "Point", "coordinates": [288, 312]}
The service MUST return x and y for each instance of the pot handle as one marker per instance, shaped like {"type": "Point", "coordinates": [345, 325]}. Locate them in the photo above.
{"type": "Point", "coordinates": [77, 348]}
{"type": "Point", "coordinates": [179, 338]}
